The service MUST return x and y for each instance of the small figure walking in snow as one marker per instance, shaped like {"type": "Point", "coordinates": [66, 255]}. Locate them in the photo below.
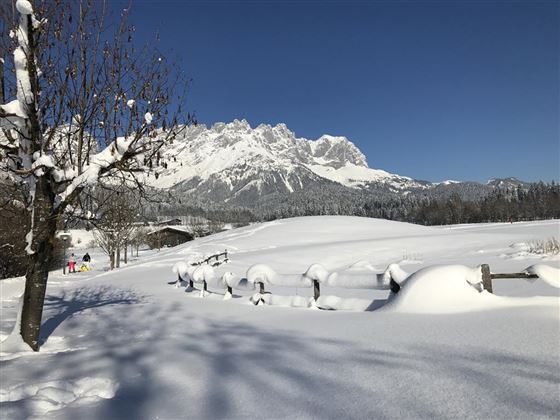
{"type": "Point", "coordinates": [72, 264]}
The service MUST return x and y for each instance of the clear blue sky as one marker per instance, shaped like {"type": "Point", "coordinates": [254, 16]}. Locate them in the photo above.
{"type": "Point", "coordinates": [432, 90]}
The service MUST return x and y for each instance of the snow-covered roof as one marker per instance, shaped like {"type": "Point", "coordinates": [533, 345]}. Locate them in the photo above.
{"type": "Point", "coordinates": [181, 229]}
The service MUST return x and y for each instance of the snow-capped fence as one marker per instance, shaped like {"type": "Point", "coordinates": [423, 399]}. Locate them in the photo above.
{"type": "Point", "coordinates": [261, 276]}
{"type": "Point", "coordinates": [194, 271]}
{"type": "Point", "coordinates": [357, 276]}
{"type": "Point", "coordinates": [487, 276]}
{"type": "Point", "coordinates": [214, 260]}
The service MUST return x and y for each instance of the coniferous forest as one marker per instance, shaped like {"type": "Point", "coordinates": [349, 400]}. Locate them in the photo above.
{"type": "Point", "coordinates": [536, 202]}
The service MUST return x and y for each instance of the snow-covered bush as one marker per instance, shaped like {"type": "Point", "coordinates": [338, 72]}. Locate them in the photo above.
{"type": "Point", "coordinates": [549, 246]}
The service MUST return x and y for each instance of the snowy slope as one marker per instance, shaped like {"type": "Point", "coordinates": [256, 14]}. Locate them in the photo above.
{"type": "Point", "coordinates": [236, 156]}
{"type": "Point", "coordinates": [128, 344]}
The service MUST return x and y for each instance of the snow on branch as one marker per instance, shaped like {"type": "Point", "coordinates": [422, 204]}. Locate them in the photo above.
{"type": "Point", "coordinates": [118, 151]}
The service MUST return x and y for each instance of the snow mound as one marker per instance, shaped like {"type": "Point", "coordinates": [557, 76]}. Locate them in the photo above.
{"type": "Point", "coordinates": [548, 274]}
{"type": "Point", "coordinates": [316, 272]}
{"type": "Point", "coordinates": [180, 269]}
{"type": "Point", "coordinates": [285, 301]}
{"type": "Point", "coordinates": [442, 289]}
{"type": "Point", "coordinates": [342, 304]}
{"type": "Point", "coordinates": [262, 273]}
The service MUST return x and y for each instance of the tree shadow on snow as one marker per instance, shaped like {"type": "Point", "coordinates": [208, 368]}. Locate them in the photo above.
{"type": "Point", "coordinates": [169, 359]}
{"type": "Point", "coordinates": [70, 303]}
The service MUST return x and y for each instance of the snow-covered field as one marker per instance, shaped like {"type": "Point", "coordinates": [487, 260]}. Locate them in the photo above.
{"type": "Point", "coordinates": [130, 344]}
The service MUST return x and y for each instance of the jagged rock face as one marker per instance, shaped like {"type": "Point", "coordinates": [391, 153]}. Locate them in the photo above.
{"type": "Point", "coordinates": [239, 163]}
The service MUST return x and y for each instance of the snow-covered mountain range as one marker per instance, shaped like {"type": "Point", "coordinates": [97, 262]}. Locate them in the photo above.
{"type": "Point", "coordinates": [233, 160]}
{"type": "Point", "coordinates": [236, 164]}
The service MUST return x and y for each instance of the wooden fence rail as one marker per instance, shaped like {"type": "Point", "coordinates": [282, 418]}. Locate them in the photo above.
{"type": "Point", "coordinates": [207, 260]}
{"type": "Point", "coordinates": [487, 276]}
{"type": "Point", "coordinates": [215, 257]}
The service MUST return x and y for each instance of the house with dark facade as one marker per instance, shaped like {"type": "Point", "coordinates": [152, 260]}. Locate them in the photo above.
{"type": "Point", "coordinates": [168, 236]}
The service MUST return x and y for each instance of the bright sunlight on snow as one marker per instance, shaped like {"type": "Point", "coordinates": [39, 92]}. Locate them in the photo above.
{"type": "Point", "coordinates": [134, 343]}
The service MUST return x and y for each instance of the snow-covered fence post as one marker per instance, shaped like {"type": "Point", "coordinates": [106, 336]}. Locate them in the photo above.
{"type": "Point", "coordinates": [316, 290]}
{"type": "Point", "coordinates": [261, 288]}
{"type": "Point", "coordinates": [316, 273]}
{"type": "Point", "coordinates": [486, 277]}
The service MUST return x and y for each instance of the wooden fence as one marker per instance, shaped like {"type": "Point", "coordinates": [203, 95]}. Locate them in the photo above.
{"type": "Point", "coordinates": [214, 261]}
{"type": "Point", "coordinates": [487, 277]}
{"type": "Point", "coordinates": [215, 258]}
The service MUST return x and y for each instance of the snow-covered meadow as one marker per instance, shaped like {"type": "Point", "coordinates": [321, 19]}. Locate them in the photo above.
{"type": "Point", "coordinates": [131, 344]}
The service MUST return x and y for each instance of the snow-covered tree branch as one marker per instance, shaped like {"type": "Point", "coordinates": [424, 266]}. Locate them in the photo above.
{"type": "Point", "coordinates": [86, 105]}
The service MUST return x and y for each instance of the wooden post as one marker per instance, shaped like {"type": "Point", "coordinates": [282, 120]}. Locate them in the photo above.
{"type": "Point", "coordinates": [316, 290]}
{"type": "Point", "coordinates": [394, 286]}
{"type": "Point", "coordinates": [204, 286]}
{"type": "Point", "coordinates": [230, 290]}
{"type": "Point", "coordinates": [513, 276]}
{"type": "Point", "coordinates": [191, 284]}
{"type": "Point", "coordinates": [261, 288]}
{"type": "Point", "coordinates": [486, 277]}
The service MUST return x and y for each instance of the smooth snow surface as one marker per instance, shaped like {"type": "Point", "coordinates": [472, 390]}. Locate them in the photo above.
{"type": "Point", "coordinates": [135, 343]}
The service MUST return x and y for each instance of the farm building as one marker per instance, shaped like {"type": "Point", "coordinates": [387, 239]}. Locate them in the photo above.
{"type": "Point", "coordinates": [169, 236]}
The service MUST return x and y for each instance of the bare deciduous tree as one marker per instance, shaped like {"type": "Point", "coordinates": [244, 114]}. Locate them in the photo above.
{"type": "Point", "coordinates": [87, 105]}
{"type": "Point", "coordinates": [115, 225]}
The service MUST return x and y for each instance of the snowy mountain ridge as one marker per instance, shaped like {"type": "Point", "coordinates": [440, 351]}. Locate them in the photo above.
{"type": "Point", "coordinates": [234, 159]}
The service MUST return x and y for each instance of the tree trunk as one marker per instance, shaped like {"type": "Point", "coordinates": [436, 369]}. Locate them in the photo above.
{"type": "Point", "coordinates": [125, 250]}
{"type": "Point", "coordinates": [44, 233]}
{"type": "Point", "coordinates": [2, 99]}
{"type": "Point", "coordinates": [112, 258]}
{"type": "Point", "coordinates": [118, 257]}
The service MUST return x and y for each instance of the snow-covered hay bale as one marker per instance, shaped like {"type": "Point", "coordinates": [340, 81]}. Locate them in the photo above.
{"type": "Point", "coordinates": [441, 289]}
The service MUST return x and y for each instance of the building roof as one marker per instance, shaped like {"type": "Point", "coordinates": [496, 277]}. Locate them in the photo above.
{"type": "Point", "coordinates": [177, 229]}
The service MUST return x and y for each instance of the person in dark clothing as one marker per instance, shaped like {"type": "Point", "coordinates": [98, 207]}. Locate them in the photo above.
{"type": "Point", "coordinates": [85, 263]}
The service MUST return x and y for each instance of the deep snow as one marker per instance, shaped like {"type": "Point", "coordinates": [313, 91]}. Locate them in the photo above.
{"type": "Point", "coordinates": [130, 344]}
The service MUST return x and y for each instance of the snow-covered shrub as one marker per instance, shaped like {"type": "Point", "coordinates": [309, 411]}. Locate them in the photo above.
{"type": "Point", "coordinates": [550, 246]}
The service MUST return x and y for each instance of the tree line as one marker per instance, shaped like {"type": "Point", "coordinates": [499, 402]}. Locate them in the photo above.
{"type": "Point", "coordinates": [536, 201]}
